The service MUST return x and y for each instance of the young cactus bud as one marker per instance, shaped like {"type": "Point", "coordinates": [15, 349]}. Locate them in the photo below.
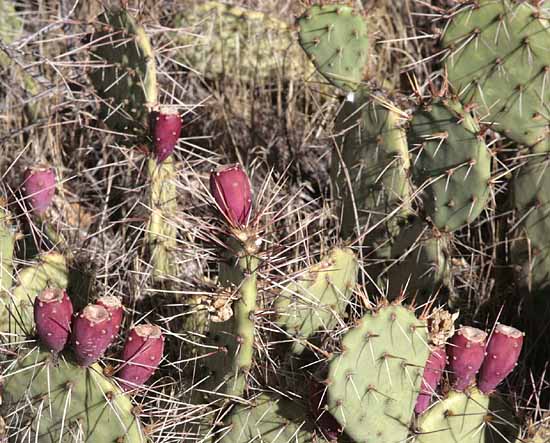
{"type": "Point", "coordinates": [166, 125]}
{"type": "Point", "coordinates": [39, 188]}
{"type": "Point", "coordinates": [53, 312]}
{"type": "Point", "coordinates": [231, 190]}
{"type": "Point", "coordinates": [141, 355]}
{"type": "Point", "coordinates": [92, 333]}
{"type": "Point", "coordinates": [114, 307]}
{"type": "Point", "coordinates": [433, 371]}
{"type": "Point", "coordinates": [466, 351]}
{"type": "Point", "coordinates": [503, 352]}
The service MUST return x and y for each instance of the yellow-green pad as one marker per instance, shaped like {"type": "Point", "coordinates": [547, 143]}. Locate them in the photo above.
{"type": "Point", "coordinates": [373, 384]}
{"type": "Point", "coordinates": [125, 76]}
{"type": "Point", "coordinates": [7, 242]}
{"type": "Point", "coordinates": [268, 420]}
{"type": "Point", "coordinates": [452, 163]}
{"type": "Point", "coordinates": [499, 59]}
{"type": "Point", "coordinates": [45, 402]}
{"type": "Point", "coordinates": [16, 306]}
{"type": "Point", "coordinates": [336, 40]}
{"type": "Point", "coordinates": [317, 300]}
{"type": "Point", "coordinates": [243, 44]}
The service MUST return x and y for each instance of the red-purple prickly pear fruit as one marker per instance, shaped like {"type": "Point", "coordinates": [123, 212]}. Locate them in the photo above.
{"type": "Point", "coordinates": [114, 307]}
{"type": "Point", "coordinates": [231, 190]}
{"type": "Point", "coordinates": [39, 188]}
{"type": "Point", "coordinates": [433, 371]}
{"type": "Point", "coordinates": [466, 351]}
{"type": "Point", "coordinates": [141, 355]}
{"type": "Point", "coordinates": [92, 333]}
{"type": "Point", "coordinates": [166, 132]}
{"type": "Point", "coordinates": [53, 312]}
{"type": "Point", "coordinates": [503, 352]}
{"type": "Point", "coordinates": [328, 425]}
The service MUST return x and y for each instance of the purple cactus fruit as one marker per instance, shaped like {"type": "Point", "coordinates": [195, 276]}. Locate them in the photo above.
{"type": "Point", "coordinates": [328, 425]}
{"type": "Point", "coordinates": [433, 371]}
{"type": "Point", "coordinates": [53, 312]}
{"type": "Point", "coordinates": [231, 190]}
{"type": "Point", "coordinates": [503, 352]}
{"type": "Point", "coordinates": [39, 188]}
{"type": "Point", "coordinates": [92, 333]}
{"type": "Point", "coordinates": [166, 132]}
{"type": "Point", "coordinates": [114, 307]}
{"type": "Point", "coordinates": [141, 355]}
{"type": "Point", "coordinates": [466, 351]}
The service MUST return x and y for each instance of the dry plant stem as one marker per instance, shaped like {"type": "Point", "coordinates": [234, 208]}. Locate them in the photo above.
{"type": "Point", "coordinates": [245, 309]}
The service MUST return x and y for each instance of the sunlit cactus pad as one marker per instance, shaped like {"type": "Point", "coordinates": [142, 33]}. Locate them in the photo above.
{"type": "Point", "coordinates": [222, 39]}
{"type": "Point", "coordinates": [317, 300]}
{"type": "Point", "coordinates": [374, 382]}
{"type": "Point", "coordinates": [123, 72]}
{"type": "Point", "coordinates": [335, 38]}
{"type": "Point", "coordinates": [65, 403]}
{"type": "Point", "coordinates": [498, 58]}
{"type": "Point", "coordinates": [451, 162]}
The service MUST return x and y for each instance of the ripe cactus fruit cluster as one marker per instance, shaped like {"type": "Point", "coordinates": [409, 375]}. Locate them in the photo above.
{"type": "Point", "coordinates": [317, 300]}
{"type": "Point", "coordinates": [166, 125]}
{"type": "Point", "coordinates": [114, 306]}
{"type": "Point", "coordinates": [451, 162]}
{"type": "Point", "coordinates": [374, 382]}
{"type": "Point", "coordinates": [466, 352]}
{"type": "Point", "coordinates": [53, 313]}
{"type": "Point", "coordinates": [141, 355]}
{"type": "Point", "coordinates": [39, 188]}
{"type": "Point", "coordinates": [336, 40]}
{"type": "Point", "coordinates": [497, 57]}
{"type": "Point", "coordinates": [230, 187]}
{"type": "Point", "coordinates": [433, 371]}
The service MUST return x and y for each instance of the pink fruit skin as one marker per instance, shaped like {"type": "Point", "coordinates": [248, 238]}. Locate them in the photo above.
{"type": "Point", "coordinates": [466, 351]}
{"type": "Point", "coordinates": [433, 371]}
{"type": "Point", "coordinates": [92, 333]}
{"type": "Point", "coordinates": [166, 132]}
{"type": "Point", "coordinates": [114, 307]}
{"type": "Point", "coordinates": [141, 355]}
{"type": "Point", "coordinates": [39, 188]}
{"type": "Point", "coordinates": [53, 312]}
{"type": "Point", "coordinates": [503, 351]}
{"type": "Point", "coordinates": [327, 423]}
{"type": "Point", "coordinates": [231, 190]}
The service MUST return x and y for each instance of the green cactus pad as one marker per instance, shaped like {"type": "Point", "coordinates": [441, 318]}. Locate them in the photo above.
{"type": "Point", "coordinates": [531, 246]}
{"type": "Point", "coordinates": [16, 307]}
{"type": "Point", "coordinates": [251, 46]}
{"type": "Point", "coordinates": [374, 151]}
{"type": "Point", "coordinates": [421, 262]}
{"type": "Point", "coordinates": [317, 300]}
{"type": "Point", "coordinates": [125, 76]}
{"type": "Point", "coordinates": [452, 162]}
{"type": "Point", "coordinates": [65, 403]}
{"type": "Point", "coordinates": [499, 59]}
{"type": "Point", "coordinates": [161, 231]}
{"type": "Point", "coordinates": [374, 382]}
{"type": "Point", "coordinates": [467, 417]}
{"type": "Point", "coordinates": [336, 40]}
{"type": "Point", "coordinates": [268, 420]}
{"type": "Point", "coordinates": [7, 242]}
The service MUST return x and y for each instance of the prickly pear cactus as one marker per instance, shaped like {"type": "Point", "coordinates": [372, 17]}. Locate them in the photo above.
{"type": "Point", "coordinates": [421, 263]}
{"type": "Point", "coordinates": [374, 150]}
{"type": "Point", "coordinates": [467, 417]}
{"type": "Point", "coordinates": [373, 384]}
{"type": "Point", "coordinates": [317, 300]}
{"type": "Point", "coordinates": [7, 242]}
{"type": "Point", "coordinates": [268, 420]}
{"type": "Point", "coordinates": [241, 43]}
{"type": "Point", "coordinates": [65, 403]}
{"type": "Point", "coordinates": [125, 74]}
{"type": "Point", "coordinates": [336, 40]}
{"type": "Point", "coordinates": [11, 25]}
{"type": "Point", "coordinates": [16, 306]}
{"type": "Point", "coordinates": [451, 162]}
{"type": "Point", "coordinates": [498, 58]}
{"type": "Point", "coordinates": [161, 231]}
